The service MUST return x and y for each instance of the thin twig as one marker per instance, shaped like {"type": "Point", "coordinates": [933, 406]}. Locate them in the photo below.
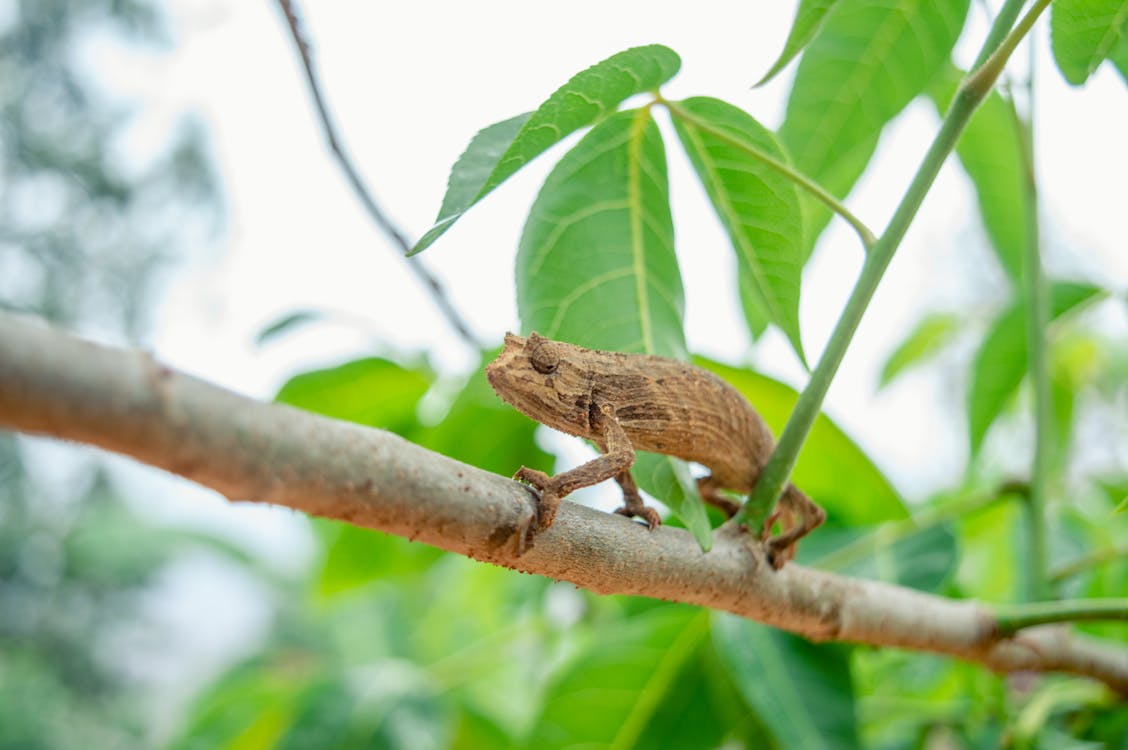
{"type": "Point", "coordinates": [425, 277]}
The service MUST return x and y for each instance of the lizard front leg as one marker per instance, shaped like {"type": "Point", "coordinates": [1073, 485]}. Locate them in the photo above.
{"type": "Point", "coordinates": [616, 460]}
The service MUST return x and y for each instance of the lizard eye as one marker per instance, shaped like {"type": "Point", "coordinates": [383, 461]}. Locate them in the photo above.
{"type": "Point", "coordinates": [544, 357]}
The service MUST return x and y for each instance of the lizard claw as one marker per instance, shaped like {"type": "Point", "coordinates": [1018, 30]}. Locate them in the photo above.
{"type": "Point", "coordinates": [646, 513]}
{"type": "Point", "coordinates": [548, 500]}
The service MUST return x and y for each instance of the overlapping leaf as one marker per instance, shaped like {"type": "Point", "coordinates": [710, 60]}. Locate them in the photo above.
{"type": "Point", "coordinates": [929, 336]}
{"type": "Point", "coordinates": [497, 152]}
{"type": "Point", "coordinates": [991, 153]}
{"type": "Point", "coordinates": [832, 469]}
{"type": "Point", "coordinates": [1085, 32]}
{"type": "Point", "coordinates": [759, 207]}
{"type": "Point", "coordinates": [866, 63]}
{"type": "Point", "coordinates": [611, 690]}
{"type": "Point", "coordinates": [1001, 362]}
{"type": "Point", "coordinates": [808, 19]}
{"type": "Point", "coordinates": [596, 267]}
{"type": "Point", "coordinates": [802, 692]}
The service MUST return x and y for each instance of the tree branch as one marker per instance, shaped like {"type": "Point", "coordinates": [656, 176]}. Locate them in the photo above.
{"type": "Point", "coordinates": [54, 384]}
{"type": "Point", "coordinates": [429, 281]}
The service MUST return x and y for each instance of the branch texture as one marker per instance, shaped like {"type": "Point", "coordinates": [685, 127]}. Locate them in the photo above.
{"type": "Point", "coordinates": [54, 384]}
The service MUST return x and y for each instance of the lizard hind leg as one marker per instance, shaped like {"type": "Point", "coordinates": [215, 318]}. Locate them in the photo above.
{"type": "Point", "coordinates": [710, 492]}
{"type": "Point", "coordinates": [800, 516]}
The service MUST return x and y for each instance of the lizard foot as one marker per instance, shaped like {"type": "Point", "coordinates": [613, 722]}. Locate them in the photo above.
{"type": "Point", "coordinates": [800, 517]}
{"type": "Point", "coordinates": [548, 500]}
{"type": "Point", "coordinates": [646, 513]}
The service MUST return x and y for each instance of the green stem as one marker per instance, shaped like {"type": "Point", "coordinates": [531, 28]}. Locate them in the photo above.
{"type": "Point", "coordinates": [1080, 565]}
{"type": "Point", "coordinates": [1009, 620]}
{"type": "Point", "coordinates": [971, 92]}
{"type": "Point", "coordinates": [1037, 320]}
{"type": "Point", "coordinates": [800, 179]}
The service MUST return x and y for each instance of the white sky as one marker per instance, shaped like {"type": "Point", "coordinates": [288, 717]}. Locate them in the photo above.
{"type": "Point", "coordinates": [410, 83]}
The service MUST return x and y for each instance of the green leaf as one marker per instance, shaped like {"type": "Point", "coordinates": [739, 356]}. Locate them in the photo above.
{"type": "Point", "coordinates": [497, 152]}
{"type": "Point", "coordinates": [373, 391]}
{"type": "Point", "coordinates": [1084, 32]}
{"type": "Point", "coordinates": [808, 20]}
{"type": "Point", "coordinates": [611, 690]}
{"type": "Point", "coordinates": [1001, 361]}
{"type": "Point", "coordinates": [355, 557]}
{"type": "Point", "coordinates": [866, 63]}
{"type": "Point", "coordinates": [287, 323]}
{"type": "Point", "coordinates": [991, 153]}
{"type": "Point", "coordinates": [925, 559]}
{"type": "Point", "coordinates": [930, 335]}
{"type": "Point", "coordinates": [596, 264]}
{"type": "Point", "coordinates": [482, 430]}
{"type": "Point", "coordinates": [1119, 57]}
{"type": "Point", "coordinates": [802, 692]}
{"type": "Point", "coordinates": [759, 206]}
{"type": "Point", "coordinates": [832, 469]}
{"type": "Point", "coordinates": [754, 313]}
{"type": "Point", "coordinates": [669, 479]}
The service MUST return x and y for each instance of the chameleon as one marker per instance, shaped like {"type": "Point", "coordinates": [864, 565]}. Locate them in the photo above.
{"type": "Point", "coordinates": [626, 402]}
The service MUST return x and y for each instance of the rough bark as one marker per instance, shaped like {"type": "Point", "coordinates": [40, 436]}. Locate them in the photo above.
{"type": "Point", "coordinates": [54, 384]}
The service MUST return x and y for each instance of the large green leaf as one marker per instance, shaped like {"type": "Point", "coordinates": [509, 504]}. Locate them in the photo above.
{"type": "Point", "coordinates": [801, 691]}
{"type": "Point", "coordinates": [991, 153]}
{"type": "Point", "coordinates": [832, 469]}
{"type": "Point", "coordinates": [808, 20]}
{"type": "Point", "coordinates": [866, 63]}
{"type": "Point", "coordinates": [922, 560]}
{"type": "Point", "coordinates": [596, 267]}
{"type": "Point", "coordinates": [596, 263]}
{"type": "Point", "coordinates": [757, 204]}
{"type": "Point", "coordinates": [929, 336]}
{"type": "Point", "coordinates": [373, 391]}
{"type": "Point", "coordinates": [1001, 361]}
{"type": "Point", "coordinates": [497, 152]}
{"type": "Point", "coordinates": [1084, 32]}
{"type": "Point", "coordinates": [610, 691]}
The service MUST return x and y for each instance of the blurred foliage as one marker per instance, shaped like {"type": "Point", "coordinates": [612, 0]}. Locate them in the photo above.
{"type": "Point", "coordinates": [88, 219]}
{"type": "Point", "coordinates": [386, 643]}
{"type": "Point", "coordinates": [86, 227]}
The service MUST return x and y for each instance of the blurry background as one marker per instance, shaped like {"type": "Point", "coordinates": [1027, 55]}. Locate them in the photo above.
{"type": "Point", "coordinates": [166, 184]}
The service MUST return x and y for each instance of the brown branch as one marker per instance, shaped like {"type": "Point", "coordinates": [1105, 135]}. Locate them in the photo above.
{"type": "Point", "coordinates": [429, 281]}
{"type": "Point", "coordinates": [54, 384]}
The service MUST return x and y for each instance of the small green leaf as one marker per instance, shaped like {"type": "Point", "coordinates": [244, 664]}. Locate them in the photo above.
{"type": "Point", "coordinates": [287, 323]}
{"type": "Point", "coordinates": [1001, 361]}
{"type": "Point", "coordinates": [669, 480]}
{"type": "Point", "coordinates": [374, 392]}
{"type": "Point", "coordinates": [832, 469]}
{"type": "Point", "coordinates": [759, 206]}
{"type": "Point", "coordinates": [802, 692]}
{"type": "Point", "coordinates": [500, 150]}
{"type": "Point", "coordinates": [1084, 32]}
{"type": "Point", "coordinates": [929, 336]}
{"type": "Point", "coordinates": [866, 63]}
{"type": "Point", "coordinates": [808, 20]}
{"type": "Point", "coordinates": [991, 153]}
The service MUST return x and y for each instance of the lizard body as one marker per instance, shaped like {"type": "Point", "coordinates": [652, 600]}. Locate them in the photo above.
{"type": "Point", "coordinates": [627, 402]}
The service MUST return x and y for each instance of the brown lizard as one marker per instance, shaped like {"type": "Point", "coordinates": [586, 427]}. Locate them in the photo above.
{"type": "Point", "coordinates": [627, 402]}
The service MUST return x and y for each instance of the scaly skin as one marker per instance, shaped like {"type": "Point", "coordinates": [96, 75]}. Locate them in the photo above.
{"type": "Point", "coordinates": [627, 402]}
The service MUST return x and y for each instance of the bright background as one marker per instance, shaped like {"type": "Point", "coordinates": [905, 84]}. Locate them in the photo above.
{"type": "Point", "coordinates": [409, 84]}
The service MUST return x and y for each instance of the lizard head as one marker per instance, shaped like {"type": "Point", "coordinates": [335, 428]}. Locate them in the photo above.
{"type": "Point", "coordinates": [545, 380]}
